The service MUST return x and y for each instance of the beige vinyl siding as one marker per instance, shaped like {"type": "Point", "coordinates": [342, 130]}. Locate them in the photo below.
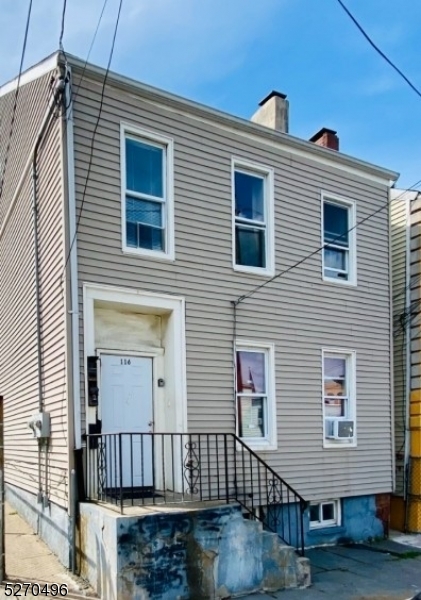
{"type": "Point", "coordinates": [18, 342]}
{"type": "Point", "coordinates": [415, 296]}
{"type": "Point", "coordinates": [399, 238]}
{"type": "Point", "coordinates": [298, 313]}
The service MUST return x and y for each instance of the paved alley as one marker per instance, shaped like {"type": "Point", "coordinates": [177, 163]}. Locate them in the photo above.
{"type": "Point", "coordinates": [28, 559]}
{"type": "Point", "coordinates": [384, 571]}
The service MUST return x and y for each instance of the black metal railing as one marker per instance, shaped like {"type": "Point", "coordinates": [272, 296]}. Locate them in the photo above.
{"type": "Point", "coordinates": [137, 469]}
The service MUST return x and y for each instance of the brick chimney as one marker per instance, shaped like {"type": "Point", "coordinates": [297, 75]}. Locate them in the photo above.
{"type": "Point", "coordinates": [273, 112]}
{"type": "Point", "coordinates": [326, 138]}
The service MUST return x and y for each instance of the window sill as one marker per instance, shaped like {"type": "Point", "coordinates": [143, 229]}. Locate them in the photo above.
{"type": "Point", "coordinates": [325, 530]}
{"type": "Point", "coordinates": [339, 444]}
{"type": "Point", "coordinates": [254, 271]}
{"type": "Point", "coordinates": [163, 256]}
{"type": "Point", "coordinates": [350, 283]}
{"type": "Point", "coordinates": [258, 447]}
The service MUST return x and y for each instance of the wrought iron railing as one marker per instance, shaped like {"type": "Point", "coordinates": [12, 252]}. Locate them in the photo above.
{"type": "Point", "coordinates": [137, 469]}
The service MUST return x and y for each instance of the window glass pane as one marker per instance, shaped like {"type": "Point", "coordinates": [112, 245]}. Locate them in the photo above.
{"type": "Point", "coordinates": [336, 223]}
{"type": "Point", "coordinates": [336, 275]}
{"type": "Point", "coordinates": [251, 372]}
{"type": "Point", "coordinates": [144, 224]}
{"type": "Point", "coordinates": [252, 417]}
{"type": "Point", "coordinates": [249, 197]}
{"type": "Point", "coordinates": [334, 367]}
{"type": "Point", "coordinates": [144, 168]}
{"type": "Point", "coordinates": [144, 236]}
{"type": "Point", "coordinates": [335, 387]}
{"type": "Point", "coordinates": [131, 234]}
{"type": "Point", "coordinates": [150, 238]}
{"type": "Point", "coordinates": [144, 211]}
{"type": "Point", "coordinates": [335, 407]}
{"type": "Point", "coordinates": [314, 512]}
{"type": "Point", "coordinates": [328, 512]}
{"type": "Point", "coordinates": [335, 259]}
{"type": "Point", "coordinates": [250, 247]}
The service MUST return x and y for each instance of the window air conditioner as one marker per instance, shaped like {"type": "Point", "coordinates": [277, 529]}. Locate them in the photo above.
{"type": "Point", "coordinates": [339, 430]}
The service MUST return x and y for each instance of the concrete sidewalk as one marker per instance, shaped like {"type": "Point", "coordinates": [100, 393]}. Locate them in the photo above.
{"type": "Point", "coordinates": [29, 559]}
{"type": "Point", "coordinates": [383, 571]}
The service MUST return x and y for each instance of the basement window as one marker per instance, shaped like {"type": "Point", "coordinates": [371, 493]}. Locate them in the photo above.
{"type": "Point", "coordinates": [325, 514]}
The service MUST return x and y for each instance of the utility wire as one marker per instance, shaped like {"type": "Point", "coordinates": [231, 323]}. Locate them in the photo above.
{"type": "Point", "coordinates": [317, 250]}
{"type": "Point", "coordinates": [91, 153]}
{"type": "Point", "coordinates": [377, 49]}
{"type": "Point", "coordinates": [15, 102]}
{"type": "Point", "coordinates": [74, 96]}
{"type": "Point", "coordinates": [63, 18]}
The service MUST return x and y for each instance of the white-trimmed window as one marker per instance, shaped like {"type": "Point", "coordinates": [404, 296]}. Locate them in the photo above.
{"type": "Point", "coordinates": [325, 514]}
{"type": "Point", "coordinates": [147, 193]}
{"type": "Point", "coordinates": [339, 253]}
{"type": "Point", "coordinates": [256, 410]}
{"type": "Point", "coordinates": [339, 398]}
{"type": "Point", "coordinates": [252, 218]}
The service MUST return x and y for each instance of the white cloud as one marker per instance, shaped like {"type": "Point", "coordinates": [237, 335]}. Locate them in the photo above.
{"type": "Point", "coordinates": [165, 42]}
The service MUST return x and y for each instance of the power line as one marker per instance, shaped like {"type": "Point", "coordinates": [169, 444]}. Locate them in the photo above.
{"type": "Point", "coordinates": [90, 50]}
{"type": "Point", "coordinates": [377, 49]}
{"type": "Point", "coordinates": [101, 104]}
{"type": "Point", "coordinates": [15, 102]}
{"type": "Point", "coordinates": [63, 18]}
{"type": "Point", "coordinates": [317, 250]}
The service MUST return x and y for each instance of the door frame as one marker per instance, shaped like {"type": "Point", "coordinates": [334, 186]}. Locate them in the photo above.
{"type": "Point", "coordinates": [173, 354]}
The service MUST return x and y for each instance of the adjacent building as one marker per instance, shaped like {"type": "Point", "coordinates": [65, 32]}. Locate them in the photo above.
{"type": "Point", "coordinates": [405, 228]}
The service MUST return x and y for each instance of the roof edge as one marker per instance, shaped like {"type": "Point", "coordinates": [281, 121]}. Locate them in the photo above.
{"type": "Point", "coordinates": [158, 95]}
{"type": "Point", "coordinates": [387, 176]}
{"type": "Point", "coordinates": [41, 68]}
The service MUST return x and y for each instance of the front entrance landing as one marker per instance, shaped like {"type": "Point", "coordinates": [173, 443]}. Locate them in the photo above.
{"type": "Point", "coordinates": [183, 552]}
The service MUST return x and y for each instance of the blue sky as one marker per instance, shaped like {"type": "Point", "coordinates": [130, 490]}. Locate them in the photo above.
{"type": "Point", "coordinates": [230, 53]}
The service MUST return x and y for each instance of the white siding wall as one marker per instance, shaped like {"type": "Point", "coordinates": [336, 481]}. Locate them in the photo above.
{"type": "Point", "coordinates": [18, 347]}
{"type": "Point", "coordinates": [298, 313]}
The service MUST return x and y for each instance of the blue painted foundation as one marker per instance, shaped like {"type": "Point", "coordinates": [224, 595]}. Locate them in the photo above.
{"type": "Point", "coordinates": [360, 523]}
{"type": "Point", "coordinates": [183, 554]}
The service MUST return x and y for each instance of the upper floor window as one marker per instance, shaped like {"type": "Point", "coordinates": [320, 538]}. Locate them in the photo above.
{"type": "Point", "coordinates": [253, 218]}
{"type": "Point", "coordinates": [147, 193]}
{"type": "Point", "coordinates": [339, 398]}
{"type": "Point", "coordinates": [339, 240]}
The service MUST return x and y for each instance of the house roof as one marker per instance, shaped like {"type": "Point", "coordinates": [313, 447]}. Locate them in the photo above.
{"type": "Point", "coordinates": [290, 143]}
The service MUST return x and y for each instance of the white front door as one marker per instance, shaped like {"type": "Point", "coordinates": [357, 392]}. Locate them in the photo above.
{"type": "Point", "coordinates": [127, 407]}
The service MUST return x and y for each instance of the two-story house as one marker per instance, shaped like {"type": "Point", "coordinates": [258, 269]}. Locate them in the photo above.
{"type": "Point", "coordinates": [160, 330]}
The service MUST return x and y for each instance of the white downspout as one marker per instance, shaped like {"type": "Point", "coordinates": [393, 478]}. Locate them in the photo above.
{"type": "Point", "coordinates": [74, 308]}
{"type": "Point", "coordinates": [407, 338]}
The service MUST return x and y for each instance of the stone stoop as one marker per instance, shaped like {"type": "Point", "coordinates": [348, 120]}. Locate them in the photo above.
{"type": "Point", "coordinates": [185, 553]}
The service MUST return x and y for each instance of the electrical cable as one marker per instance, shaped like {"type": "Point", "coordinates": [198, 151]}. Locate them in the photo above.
{"type": "Point", "coordinates": [63, 18]}
{"type": "Point", "coordinates": [15, 102]}
{"type": "Point", "coordinates": [101, 104]}
{"type": "Point", "coordinates": [320, 248]}
{"type": "Point", "coordinates": [74, 96]}
{"type": "Point", "coordinates": [377, 49]}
